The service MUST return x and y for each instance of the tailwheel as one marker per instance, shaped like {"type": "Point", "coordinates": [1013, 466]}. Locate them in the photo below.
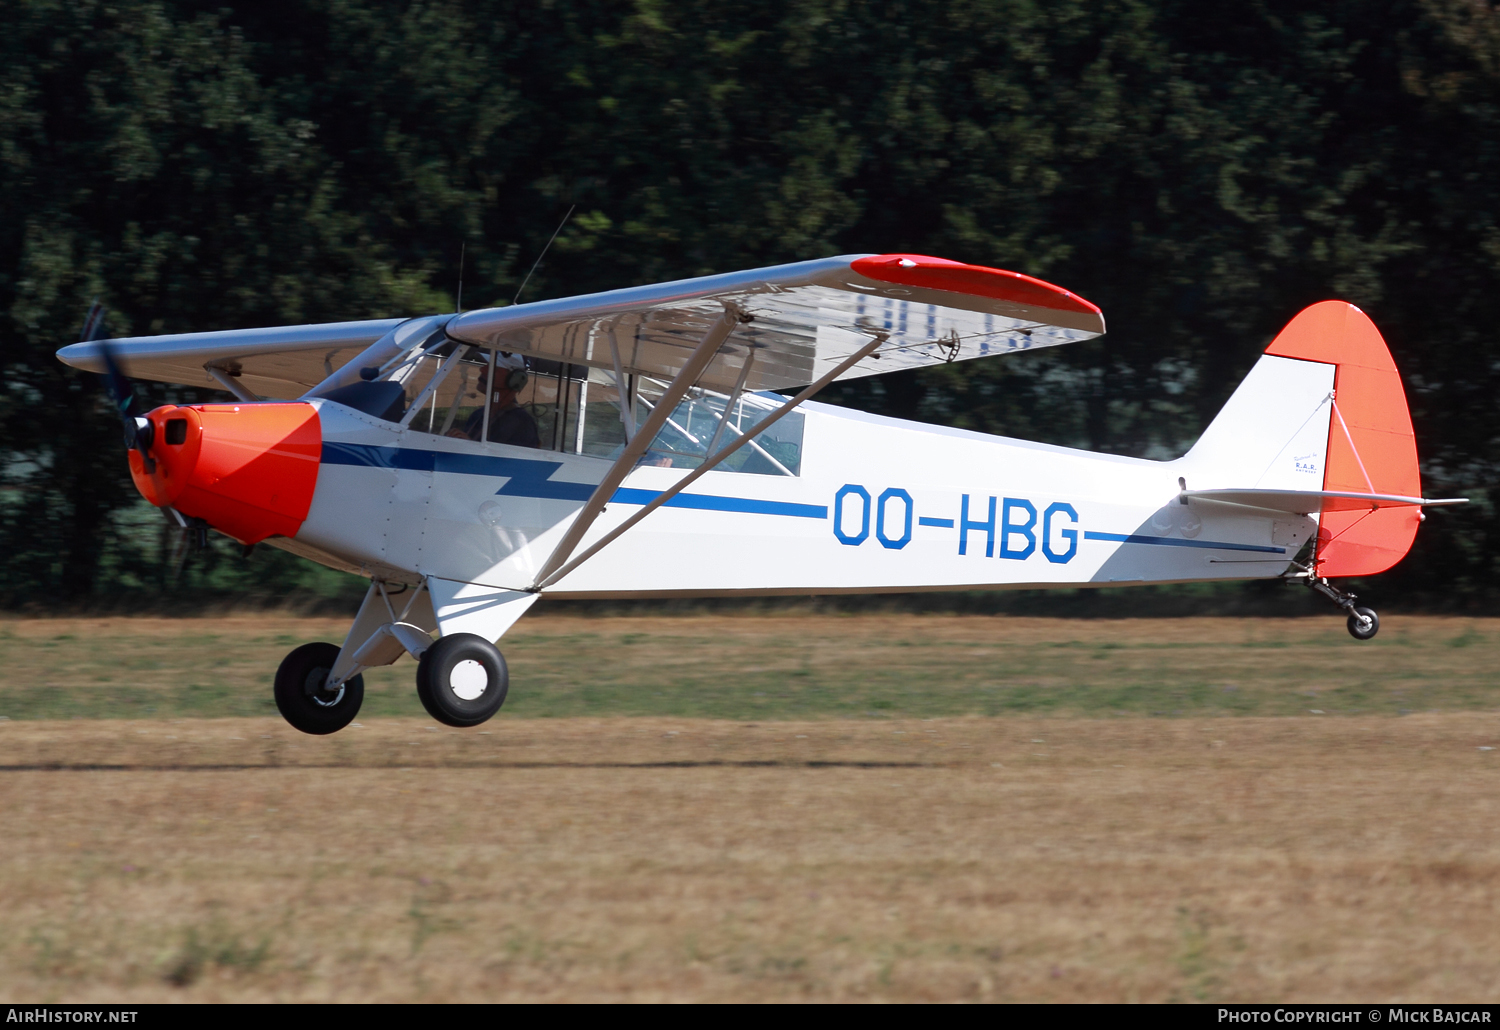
{"type": "Point", "coordinates": [462, 680]}
{"type": "Point", "coordinates": [1363, 623]}
{"type": "Point", "coordinates": [303, 695]}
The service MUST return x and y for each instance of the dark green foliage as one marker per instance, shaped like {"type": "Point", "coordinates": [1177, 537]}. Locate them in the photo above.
{"type": "Point", "coordinates": [1200, 172]}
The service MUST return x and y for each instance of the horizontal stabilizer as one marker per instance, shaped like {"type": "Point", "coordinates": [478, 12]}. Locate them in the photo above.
{"type": "Point", "coordinates": [1309, 502]}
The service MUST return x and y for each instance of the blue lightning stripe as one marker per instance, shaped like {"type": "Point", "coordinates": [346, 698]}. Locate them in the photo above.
{"type": "Point", "coordinates": [531, 478]}
{"type": "Point", "coordinates": [1166, 541]}
{"type": "Point", "coordinates": [527, 478]}
{"type": "Point", "coordinates": [925, 520]}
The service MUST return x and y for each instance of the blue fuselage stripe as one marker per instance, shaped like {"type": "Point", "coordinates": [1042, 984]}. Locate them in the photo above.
{"type": "Point", "coordinates": [531, 478]}
{"type": "Point", "coordinates": [710, 502]}
{"type": "Point", "coordinates": [528, 477]}
{"type": "Point", "coordinates": [1166, 541]}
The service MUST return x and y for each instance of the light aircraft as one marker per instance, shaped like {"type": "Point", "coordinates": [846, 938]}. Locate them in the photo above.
{"type": "Point", "coordinates": [665, 464]}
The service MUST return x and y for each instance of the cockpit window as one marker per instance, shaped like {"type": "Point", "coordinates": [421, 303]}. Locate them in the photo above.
{"type": "Point", "coordinates": [446, 407]}
{"type": "Point", "coordinates": [573, 409]}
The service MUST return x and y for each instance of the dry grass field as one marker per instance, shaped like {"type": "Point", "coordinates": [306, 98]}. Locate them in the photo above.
{"type": "Point", "coordinates": [939, 840]}
{"type": "Point", "coordinates": [790, 666]}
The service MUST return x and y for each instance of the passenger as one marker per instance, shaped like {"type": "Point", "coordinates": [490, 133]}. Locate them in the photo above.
{"type": "Point", "coordinates": [509, 422]}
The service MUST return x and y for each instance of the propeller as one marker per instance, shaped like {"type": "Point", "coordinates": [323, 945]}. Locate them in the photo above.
{"type": "Point", "coordinates": [139, 432]}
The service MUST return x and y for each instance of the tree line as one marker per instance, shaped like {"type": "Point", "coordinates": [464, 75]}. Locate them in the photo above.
{"type": "Point", "coordinates": [1200, 172]}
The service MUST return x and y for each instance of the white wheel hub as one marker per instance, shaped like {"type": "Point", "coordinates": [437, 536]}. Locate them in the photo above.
{"type": "Point", "coordinates": [468, 679]}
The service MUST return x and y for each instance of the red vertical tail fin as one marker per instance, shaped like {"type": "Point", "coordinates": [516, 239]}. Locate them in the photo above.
{"type": "Point", "coordinates": [1371, 447]}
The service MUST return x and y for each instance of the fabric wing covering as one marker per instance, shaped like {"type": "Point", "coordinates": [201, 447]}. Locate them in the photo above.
{"type": "Point", "coordinates": [804, 318]}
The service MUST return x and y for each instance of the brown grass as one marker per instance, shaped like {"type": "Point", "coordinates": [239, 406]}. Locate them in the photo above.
{"type": "Point", "coordinates": [1294, 859]}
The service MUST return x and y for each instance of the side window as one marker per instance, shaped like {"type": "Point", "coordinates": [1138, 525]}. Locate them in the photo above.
{"type": "Point", "coordinates": [551, 397]}
{"type": "Point", "coordinates": [447, 407]}
{"type": "Point", "coordinates": [424, 390]}
{"type": "Point", "coordinates": [443, 391]}
{"type": "Point", "coordinates": [543, 412]}
{"type": "Point", "coordinates": [570, 408]}
{"type": "Point", "coordinates": [603, 427]}
{"type": "Point", "coordinates": [699, 427]}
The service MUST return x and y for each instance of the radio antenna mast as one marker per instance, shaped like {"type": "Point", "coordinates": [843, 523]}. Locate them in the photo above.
{"type": "Point", "coordinates": [458, 302]}
{"type": "Point", "coordinates": [543, 254]}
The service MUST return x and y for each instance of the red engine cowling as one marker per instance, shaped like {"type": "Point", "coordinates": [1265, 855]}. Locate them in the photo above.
{"type": "Point", "coordinates": [248, 470]}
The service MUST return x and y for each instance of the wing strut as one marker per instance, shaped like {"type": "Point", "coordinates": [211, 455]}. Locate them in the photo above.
{"type": "Point", "coordinates": [702, 356]}
{"type": "Point", "coordinates": [734, 396]}
{"type": "Point", "coordinates": [627, 399]}
{"type": "Point", "coordinates": [222, 378]}
{"type": "Point", "coordinates": [545, 579]}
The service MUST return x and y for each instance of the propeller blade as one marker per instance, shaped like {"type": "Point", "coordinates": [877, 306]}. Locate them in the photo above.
{"type": "Point", "coordinates": [121, 392]}
{"type": "Point", "coordinates": [139, 432]}
{"type": "Point", "coordinates": [189, 534]}
{"type": "Point", "coordinates": [177, 556]}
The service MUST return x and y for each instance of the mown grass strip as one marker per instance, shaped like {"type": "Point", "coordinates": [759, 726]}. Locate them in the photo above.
{"type": "Point", "coordinates": [780, 667]}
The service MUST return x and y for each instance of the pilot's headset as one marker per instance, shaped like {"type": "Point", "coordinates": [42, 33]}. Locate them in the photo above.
{"type": "Point", "coordinates": [514, 368]}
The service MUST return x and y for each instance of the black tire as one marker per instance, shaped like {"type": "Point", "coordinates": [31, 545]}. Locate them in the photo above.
{"type": "Point", "coordinates": [300, 695]}
{"type": "Point", "coordinates": [456, 694]}
{"type": "Point", "coordinates": [1360, 630]}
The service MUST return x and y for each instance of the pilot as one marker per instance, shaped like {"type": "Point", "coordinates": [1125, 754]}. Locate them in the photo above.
{"type": "Point", "coordinates": [509, 422]}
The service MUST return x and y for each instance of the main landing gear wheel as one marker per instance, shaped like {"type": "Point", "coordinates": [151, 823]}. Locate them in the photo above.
{"type": "Point", "coordinates": [303, 696]}
{"type": "Point", "coordinates": [1363, 623]}
{"type": "Point", "coordinates": [462, 680]}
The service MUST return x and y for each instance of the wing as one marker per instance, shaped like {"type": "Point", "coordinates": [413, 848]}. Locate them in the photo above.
{"type": "Point", "coordinates": [281, 361]}
{"type": "Point", "coordinates": [806, 318]}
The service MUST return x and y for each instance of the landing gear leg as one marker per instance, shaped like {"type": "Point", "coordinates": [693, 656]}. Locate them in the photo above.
{"type": "Point", "coordinates": [1363, 622]}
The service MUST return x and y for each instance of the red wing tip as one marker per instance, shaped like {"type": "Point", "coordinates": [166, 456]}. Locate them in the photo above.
{"type": "Point", "coordinates": [976, 280]}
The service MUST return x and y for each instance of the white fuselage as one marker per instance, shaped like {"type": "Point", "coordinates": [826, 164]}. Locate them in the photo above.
{"type": "Point", "coordinates": [879, 505]}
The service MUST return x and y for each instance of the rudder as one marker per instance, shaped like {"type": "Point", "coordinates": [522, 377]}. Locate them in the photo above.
{"type": "Point", "coordinates": [1371, 447]}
